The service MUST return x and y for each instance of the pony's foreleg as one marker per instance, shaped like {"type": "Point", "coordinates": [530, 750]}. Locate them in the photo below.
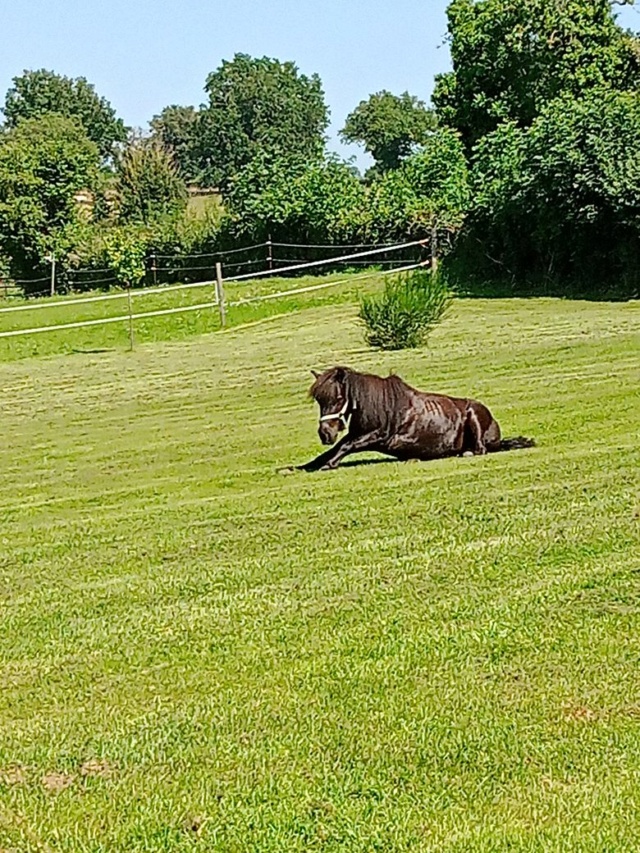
{"type": "Point", "coordinates": [324, 458]}
{"type": "Point", "coordinates": [368, 441]}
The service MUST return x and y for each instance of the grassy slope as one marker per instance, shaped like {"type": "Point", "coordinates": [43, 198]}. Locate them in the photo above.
{"type": "Point", "coordinates": [168, 327]}
{"type": "Point", "coordinates": [421, 657]}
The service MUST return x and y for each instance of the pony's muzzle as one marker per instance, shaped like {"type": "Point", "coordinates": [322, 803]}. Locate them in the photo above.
{"type": "Point", "coordinates": [328, 432]}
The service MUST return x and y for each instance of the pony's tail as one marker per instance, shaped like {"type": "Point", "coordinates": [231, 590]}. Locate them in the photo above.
{"type": "Point", "coordinates": [520, 442]}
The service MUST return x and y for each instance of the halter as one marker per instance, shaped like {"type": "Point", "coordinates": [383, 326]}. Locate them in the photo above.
{"type": "Point", "coordinates": [337, 416]}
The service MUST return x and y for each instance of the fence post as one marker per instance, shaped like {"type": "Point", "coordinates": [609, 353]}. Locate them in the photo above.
{"type": "Point", "coordinates": [131, 341]}
{"type": "Point", "coordinates": [269, 253]}
{"type": "Point", "coordinates": [434, 247]}
{"type": "Point", "coordinates": [220, 294]}
{"type": "Point", "coordinates": [52, 258]}
{"type": "Point", "coordinates": [154, 270]}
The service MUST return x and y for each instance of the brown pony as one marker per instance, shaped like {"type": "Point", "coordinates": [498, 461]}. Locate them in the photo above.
{"type": "Point", "coordinates": [389, 416]}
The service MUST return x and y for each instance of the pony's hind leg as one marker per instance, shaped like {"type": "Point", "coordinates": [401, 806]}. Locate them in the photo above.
{"type": "Point", "coordinates": [481, 430]}
{"type": "Point", "coordinates": [492, 437]}
{"type": "Point", "coordinates": [473, 434]}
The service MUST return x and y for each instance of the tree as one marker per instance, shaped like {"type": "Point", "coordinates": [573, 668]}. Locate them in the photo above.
{"type": "Point", "coordinates": [320, 202]}
{"type": "Point", "coordinates": [147, 182]}
{"type": "Point", "coordinates": [326, 202]}
{"type": "Point", "coordinates": [38, 93]}
{"type": "Point", "coordinates": [177, 129]}
{"type": "Point", "coordinates": [428, 195]}
{"type": "Point", "coordinates": [389, 126]}
{"type": "Point", "coordinates": [44, 163]}
{"type": "Point", "coordinates": [258, 106]}
{"type": "Point", "coordinates": [125, 252]}
{"type": "Point", "coordinates": [511, 57]}
{"type": "Point", "coordinates": [562, 198]}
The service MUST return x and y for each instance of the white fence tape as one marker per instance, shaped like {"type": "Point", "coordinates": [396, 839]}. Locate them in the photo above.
{"type": "Point", "coordinates": [166, 288]}
{"type": "Point", "coordinates": [141, 291]}
{"type": "Point", "coordinates": [202, 305]}
{"type": "Point", "coordinates": [266, 296]}
{"type": "Point", "coordinates": [309, 264]}
{"type": "Point", "coordinates": [103, 320]}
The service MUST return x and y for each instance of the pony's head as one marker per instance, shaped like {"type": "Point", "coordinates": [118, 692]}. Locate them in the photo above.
{"type": "Point", "coordinates": [331, 393]}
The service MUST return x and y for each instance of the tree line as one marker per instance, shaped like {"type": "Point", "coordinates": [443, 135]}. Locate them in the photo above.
{"type": "Point", "coordinates": [525, 170]}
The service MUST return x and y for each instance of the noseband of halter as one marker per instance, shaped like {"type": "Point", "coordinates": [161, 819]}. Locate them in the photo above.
{"type": "Point", "coordinates": [337, 416]}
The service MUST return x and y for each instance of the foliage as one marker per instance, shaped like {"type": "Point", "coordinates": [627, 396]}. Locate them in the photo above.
{"type": "Point", "coordinates": [325, 202]}
{"type": "Point", "coordinates": [186, 232]}
{"type": "Point", "coordinates": [125, 255]}
{"type": "Point", "coordinates": [44, 163]}
{"type": "Point", "coordinates": [429, 190]}
{"type": "Point", "coordinates": [401, 317]}
{"type": "Point", "coordinates": [321, 202]}
{"type": "Point", "coordinates": [562, 198]}
{"type": "Point", "coordinates": [178, 233]}
{"type": "Point", "coordinates": [544, 95]}
{"type": "Point", "coordinates": [5, 272]}
{"type": "Point", "coordinates": [258, 106]}
{"type": "Point", "coordinates": [511, 58]}
{"type": "Point", "coordinates": [389, 126]}
{"type": "Point", "coordinates": [176, 128]}
{"type": "Point", "coordinates": [147, 183]}
{"type": "Point", "coordinates": [38, 93]}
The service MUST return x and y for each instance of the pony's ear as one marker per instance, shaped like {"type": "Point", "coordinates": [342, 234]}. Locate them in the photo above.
{"type": "Point", "coordinates": [315, 374]}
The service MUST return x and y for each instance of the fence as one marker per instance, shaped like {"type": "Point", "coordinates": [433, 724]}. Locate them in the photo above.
{"type": "Point", "coordinates": [171, 269]}
{"type": "Point", "coordinates": [218, 283]}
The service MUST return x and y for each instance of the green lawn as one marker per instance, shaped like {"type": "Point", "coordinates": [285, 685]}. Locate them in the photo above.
{"type": "Point", "coordinates": [198, 653]}
{"type": "Point", "coordinates": [75, 309]}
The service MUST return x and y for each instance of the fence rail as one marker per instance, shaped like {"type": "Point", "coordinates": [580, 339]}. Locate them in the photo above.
{"type": "Point", "coordinates": [192, 268]}
{"type": "Point", "coordinates": [325, 284]}
{"type": "Point", "coordinates": [218, 302]}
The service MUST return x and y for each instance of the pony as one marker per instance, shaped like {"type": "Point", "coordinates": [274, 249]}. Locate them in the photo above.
{"type": "Point", "coordinates": [387, 415]}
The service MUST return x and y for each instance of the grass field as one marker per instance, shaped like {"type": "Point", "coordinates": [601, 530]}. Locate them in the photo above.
{"type": "Point", "coordinates": [200, 653]}
{"type": "Point", "coordinates": [74, 309]}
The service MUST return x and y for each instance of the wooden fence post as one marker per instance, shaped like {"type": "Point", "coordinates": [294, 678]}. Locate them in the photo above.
{"type": "Point", "coordinates": [53, 274]}
{"type": "Point", "coordinates": [434, 247]}
{"type": "Point", "coordinates": [220, 294]}
{"type": "Point", "coordinates": [131, 341]}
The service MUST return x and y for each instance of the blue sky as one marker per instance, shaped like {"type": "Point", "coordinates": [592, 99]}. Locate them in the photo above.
{"type": "Point", "coordinates": [145, 54]}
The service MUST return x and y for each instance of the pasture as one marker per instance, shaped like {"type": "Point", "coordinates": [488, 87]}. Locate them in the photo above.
{"type": "Point", "coordinates": [200, 653]}
{"type": "Point", "coordinates": [336, 288]}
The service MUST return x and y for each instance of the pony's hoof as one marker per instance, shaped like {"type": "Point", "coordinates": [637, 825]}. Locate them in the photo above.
{"type": "Point", "coordinates": [468, 454]}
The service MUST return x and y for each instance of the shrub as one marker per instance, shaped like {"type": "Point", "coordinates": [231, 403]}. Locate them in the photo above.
{"type": "Point", "coordinates": [125, 255]}
{"type": "Point", "coordinates": [401, 317]}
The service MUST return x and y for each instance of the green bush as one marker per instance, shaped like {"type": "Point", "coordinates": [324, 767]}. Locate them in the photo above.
{"type": "Point", "coordinates": [401, 317]}
{"type": "Point", "coordinates": [125, 255]}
